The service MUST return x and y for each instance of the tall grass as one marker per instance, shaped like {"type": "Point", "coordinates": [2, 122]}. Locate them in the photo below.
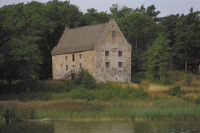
{"type": "Point", "coordinates": [103, 92]}
{"type": "Point", "coordinates": [95, 110]}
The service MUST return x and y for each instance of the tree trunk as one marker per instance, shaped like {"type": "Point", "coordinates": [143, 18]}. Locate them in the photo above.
{"type": "Point", "coordinates": [135, 46]}
{"type": "Point", "coordinates": [46, 43]}
{"type": "Point", "coordinates": [186, 62]}
{"type": "Point", "coordinates": [9, 82]}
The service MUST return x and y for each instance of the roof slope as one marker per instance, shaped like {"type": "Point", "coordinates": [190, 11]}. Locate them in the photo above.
{"type": "Point", "coordinates": [79, 39]}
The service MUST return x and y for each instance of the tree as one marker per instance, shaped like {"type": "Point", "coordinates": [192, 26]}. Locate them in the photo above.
{"type": "Point", "coordinates": [92, 17]}
{"type": "Point", "coordinates": [187, 34]}
{"type": "Point", "coordinates": [152, 13]}
{"type": "Point", "coordinates": [169, 23]}
{"type": "Point", "coordinates": [159, 58]}
{"type": "Point", "coordinates": [140, 30]}
{"type": "Point", "coordinates": [118, 12]}
{"type": "Point", "coordinates": [22, 59]}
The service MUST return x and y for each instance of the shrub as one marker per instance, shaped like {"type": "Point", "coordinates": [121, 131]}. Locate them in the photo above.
{"type": "Point", "coordinates": [137, 77]}
{"type": "Point", "coordinates": [195, 90]}
{"type": "Point", "coordinates": [124, 94]}
{"type": "Point", "coordinates": [139, 94]}
{"type": "Point", "coordinates": [188, 79]}
{"type": "Point", "coordinates": [174, 90]}
{"type": "Point", "coordinates": [156, 97]}
{"type": "Point", "coordinates": [197, 100]}
{"type": "Point", "coordinates": [84, 78]}
{"type": "Point", "coordinates": [165, 80]}
{"type": "Point", "coordinates": [88, 81]}
{"type": "Point", "coordinates": [79, 75]}
{"type": "Point", "coordinates": [82, 93]}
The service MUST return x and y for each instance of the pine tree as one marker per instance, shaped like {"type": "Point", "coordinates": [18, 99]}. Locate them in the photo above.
{"type": "Point", "coordinates": [187, 34]}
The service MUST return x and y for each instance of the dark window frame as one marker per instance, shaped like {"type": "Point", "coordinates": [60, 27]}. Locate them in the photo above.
{"type": "Point", "coordinates": [65, 57]}
{"type": "Point", "coordinates": [113, 33]}
{"type": "Point", "coordinates": [79, 56]}
{"type": "Point", "coordinates": [120, 64]}
{"type": "Point", "coordinates": [67, 67]}
{"type": "Point", "coordinates": [107, 64]}
{"type": "Point", "coordinates": [119, 53]}
{"type": "Point", "coordinates": [107, 53]}
{"type": "Point", "coordinates": [73, 57]}
{"type": "Point", "coordinates": [80, 65]}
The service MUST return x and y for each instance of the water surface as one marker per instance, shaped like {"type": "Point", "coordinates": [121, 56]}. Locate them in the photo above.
{"type": "Point", "coordinates": [102, 127]}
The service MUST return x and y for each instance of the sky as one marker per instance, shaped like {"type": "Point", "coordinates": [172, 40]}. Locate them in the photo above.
{"type": "Point", "coordinates": [166, 7]}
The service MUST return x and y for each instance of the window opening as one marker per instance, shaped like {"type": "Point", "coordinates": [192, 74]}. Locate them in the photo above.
{"type": "Point", "coordinates": [80, 56]}
{"type": "Point", "coordinates": [66, 67]}
{"type": "Point", "coordinates": [106, 53]}
{"type": "Point", "coordinates": [73, 57]}
{"type": "Point", "coordinates": [107, 64]}
{"type": "Point", "coordinates": [119, 53]}
{"type": "Point", "coordinates": [113, 33]}
{"type": "Point", "coordinates": [80, 65]}
{"type": "Point", "coordinates": [65, 57]}
{"type": "Point", "coordinates": [120, 64]}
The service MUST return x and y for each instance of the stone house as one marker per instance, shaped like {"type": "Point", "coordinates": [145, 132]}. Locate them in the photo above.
{"type": "Point", "coordinates": [101, 48]}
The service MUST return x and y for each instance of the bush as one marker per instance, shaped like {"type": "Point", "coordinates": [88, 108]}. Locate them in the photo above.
{"type": "Point", "coordinates": [137, 77]}
{"type": "Point", "coordinates": [84, 78]}
{"type": "Point", "coordinates": [82, 93]}
{"type": "Point", "coordinates": [197, 100]}
{"type": "Point", "coordinates": [156, 97]}
{"type": "Point", "coordinates": [79, 75]}
{"type": "Point", "coordinates": [175, 90]}
{"type": "Point", "coordinates": [188, 79]}
{"type": "Point", "coordinates": [139, 94]}
{"type": "Point", "coordinates": [165, 80]}
{"type": "Point", "coordinates": [88, 81]}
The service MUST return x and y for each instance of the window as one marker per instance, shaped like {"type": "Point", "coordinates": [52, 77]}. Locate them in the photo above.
{"type": "Point", "coordinates": [65, 57]}
{"type": "Point", "coordinates": [80, 65]}
{"type": "Point", "coordinates": [107, 64]}
{"type": "Point", "coordinates": [80, 56]}
{"type": "Point", "coordinates": [66, 67]}
{"type": "Point", "coordinates": [106, 53]}
{"type": "Point", "coordinates": [113, 33]}
{"type": "Point", "coordinates": [73, 57]}
{"type": "Point", "coordinates": [120, 64]}
{"type": "Point", "coordinates": [119, 53]}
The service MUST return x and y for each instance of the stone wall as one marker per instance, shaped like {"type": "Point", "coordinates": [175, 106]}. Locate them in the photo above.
{"type": "Point", "coordinates": [113, 45]}
{"type": "Point", "coordinates": [59, 62]}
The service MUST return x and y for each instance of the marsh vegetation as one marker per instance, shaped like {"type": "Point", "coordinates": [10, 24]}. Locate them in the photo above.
{"type": "Point", "coordinates": [68, 99]}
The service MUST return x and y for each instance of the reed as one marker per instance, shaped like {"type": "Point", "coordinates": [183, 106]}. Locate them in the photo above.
{"type": "Point", "coordinates": [161, 109]}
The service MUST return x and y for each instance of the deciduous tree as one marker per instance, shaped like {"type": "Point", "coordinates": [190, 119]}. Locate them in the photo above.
{"type": "Point", "coordinates": [159, 58]}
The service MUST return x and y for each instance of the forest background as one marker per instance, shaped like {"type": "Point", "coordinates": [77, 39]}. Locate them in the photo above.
{"type": "Point", "coordinates": [28, 33]}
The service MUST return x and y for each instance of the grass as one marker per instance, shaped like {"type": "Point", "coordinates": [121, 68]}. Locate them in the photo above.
{"type": "Point", "coordinates": [162, 109]}
{"type": "Point", "coordinates": [107, 101]}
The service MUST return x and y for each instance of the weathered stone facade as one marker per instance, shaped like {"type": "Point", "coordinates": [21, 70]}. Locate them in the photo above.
{"type": "Point", "coordinates": [109, 60]}
{"type": "Point", "coordinates": [113, 45]}
{"type": "Point", "coordinates": [87, 60]}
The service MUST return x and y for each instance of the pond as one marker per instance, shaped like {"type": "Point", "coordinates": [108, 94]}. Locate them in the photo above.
{"type": "Point", "coordinates": [102, 127]}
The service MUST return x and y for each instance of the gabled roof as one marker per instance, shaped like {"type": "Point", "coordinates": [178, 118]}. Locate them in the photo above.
{"type": "Point", "coordinates": [79, 39]}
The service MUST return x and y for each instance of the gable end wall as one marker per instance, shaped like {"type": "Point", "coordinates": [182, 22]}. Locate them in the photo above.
{"type": "Point", "coordinates": [113, 45]}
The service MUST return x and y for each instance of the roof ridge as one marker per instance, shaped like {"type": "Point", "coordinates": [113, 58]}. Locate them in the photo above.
{"type": "Point", "coordinates": [88, 26]}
